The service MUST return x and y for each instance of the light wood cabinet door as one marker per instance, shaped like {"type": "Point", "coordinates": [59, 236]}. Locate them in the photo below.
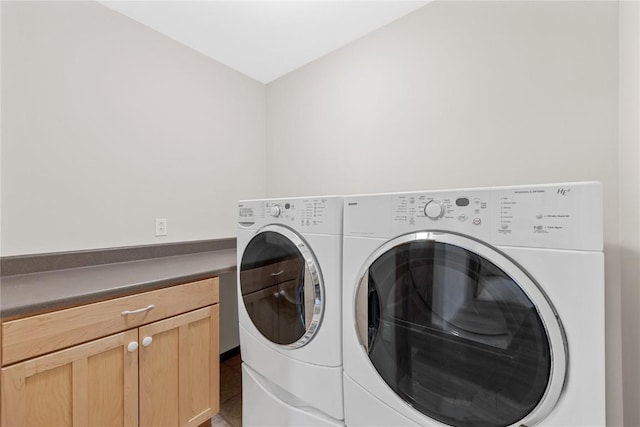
{"type": "Point", "coordinates": [90, 384]}
{"type": "Point", "coordinates": [179, 369]}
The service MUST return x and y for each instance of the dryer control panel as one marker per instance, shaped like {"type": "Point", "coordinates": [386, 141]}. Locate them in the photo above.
{"type": "Point", "coordinates": [558, 216]}
{"type": "Point", "coordinates": [464, 212]}
{"type": "Point", "coordinates": [305, 214]}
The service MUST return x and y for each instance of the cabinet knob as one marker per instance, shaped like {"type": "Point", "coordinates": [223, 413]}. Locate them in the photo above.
{"type": "Point", "coordinates": [133, 346]}
{"type": "Point", "coordinates": [146, 341]}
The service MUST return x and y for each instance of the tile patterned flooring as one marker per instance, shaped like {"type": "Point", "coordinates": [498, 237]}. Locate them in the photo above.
{"type": "Point", "coordinates": [230, 394]}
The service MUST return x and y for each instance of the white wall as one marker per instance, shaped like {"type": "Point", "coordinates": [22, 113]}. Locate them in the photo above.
{"type": "Point", "coordinates": [629, 151]}
{"type": "Point", "coordinates": [462, 94]}
{"type": "Point", "coordinates": [109, 125]}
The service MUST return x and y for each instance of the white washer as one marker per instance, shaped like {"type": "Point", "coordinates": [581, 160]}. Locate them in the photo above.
{"type": "Point", "coordinates": [480, 307]}
{"type": "Point", "coordinates": [289, 310]}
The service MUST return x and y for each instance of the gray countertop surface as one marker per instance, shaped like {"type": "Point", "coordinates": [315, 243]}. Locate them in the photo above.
{"type": "Point", "coordinates": [27, 294]}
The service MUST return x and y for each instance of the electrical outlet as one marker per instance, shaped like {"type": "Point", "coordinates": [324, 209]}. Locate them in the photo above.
{"type": "Point", "coordinates": [161, 226]}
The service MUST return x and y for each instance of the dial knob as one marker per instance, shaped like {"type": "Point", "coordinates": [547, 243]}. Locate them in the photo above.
{"type": "Point", "coordinates": [274, 211]}
{"type": "Point", "coordinates": [434, 209]}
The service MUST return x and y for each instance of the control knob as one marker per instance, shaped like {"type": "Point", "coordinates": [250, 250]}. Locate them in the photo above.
{"type": "Point", "coordinates": [434, 209]}
{"type": "Point", "coordinates": [274, 211]}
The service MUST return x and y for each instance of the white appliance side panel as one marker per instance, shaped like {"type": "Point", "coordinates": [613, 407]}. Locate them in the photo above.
{"type": "Point", "coordinates": [325, 348]}
{"type": "Point", "coordinates": [574, 283]}
{"type": "Point", "coordinates": [320, 387]}
{"type": "Point", "coordinates": [364, 410]}
{"type": "Point", "coordinates": [266, 405]}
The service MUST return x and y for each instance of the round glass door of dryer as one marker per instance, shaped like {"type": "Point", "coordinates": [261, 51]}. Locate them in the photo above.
{"type": "Point", "coordinates": [282, 287]}
{"type": "Point", "coordinates": [459, 332]}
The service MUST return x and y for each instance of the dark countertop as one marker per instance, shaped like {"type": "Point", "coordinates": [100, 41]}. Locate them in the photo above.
{"type": "Point", "coordinates": [27, 294]}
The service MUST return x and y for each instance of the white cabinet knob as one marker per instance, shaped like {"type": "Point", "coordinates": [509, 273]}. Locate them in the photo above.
{"type": "Point", "coordinates": [133, 346]}
{"type": "Point", "coordinates": [146, 341]}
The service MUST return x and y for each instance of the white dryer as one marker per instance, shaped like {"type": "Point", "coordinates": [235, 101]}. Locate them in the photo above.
{"type": "Point", "coordinates": [476, 307]}
{"type": "Point", "coordinates": [289, 310]}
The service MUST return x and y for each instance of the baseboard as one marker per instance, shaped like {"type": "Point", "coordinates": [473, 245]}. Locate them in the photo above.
{"type": "Point", "coordinates": [230, 353]}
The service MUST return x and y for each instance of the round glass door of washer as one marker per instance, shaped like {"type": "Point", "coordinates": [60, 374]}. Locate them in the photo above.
{"type": "Point", "coordinates": [460, 332]}
{"type": "Point", "coordinates": [281, 286]}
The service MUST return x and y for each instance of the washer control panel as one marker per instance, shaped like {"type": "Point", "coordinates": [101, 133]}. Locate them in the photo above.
{"type": "Point", "coordinates": [313, 214]}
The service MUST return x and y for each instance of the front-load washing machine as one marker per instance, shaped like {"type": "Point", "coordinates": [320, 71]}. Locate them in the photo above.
{"type": "Point", "coordinates": [289, 310]}
{"type": "Point", "coordinates": [476, 307]}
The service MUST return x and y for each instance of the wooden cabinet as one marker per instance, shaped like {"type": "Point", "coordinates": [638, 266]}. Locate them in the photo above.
{"type": "Point", "coordinates": [90, 384]}
{"type": "Point", "coordinates": [176, 370]}
{"type": "Point", "coordinates": [161, 373]}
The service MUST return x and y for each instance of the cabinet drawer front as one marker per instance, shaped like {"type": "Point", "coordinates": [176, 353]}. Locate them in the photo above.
{"type": "Point", "coordinates": [44, 333]}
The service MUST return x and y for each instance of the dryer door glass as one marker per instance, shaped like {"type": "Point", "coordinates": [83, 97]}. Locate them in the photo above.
{"type": "Point", "coordinates": [453, 335]}
{"type": "Point", "coordinates": [281, 287]}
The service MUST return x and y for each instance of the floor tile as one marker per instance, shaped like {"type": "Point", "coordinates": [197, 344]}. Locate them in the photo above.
{"type": "Point", "coordinates": [230, 383]}
{"type": "Point", "coordinates": [235, 362]}
{"type": "Point", "coordinates": [231, 411]}
{"type": "Point", "coordinates": [230, 394]}
{"type": "Point", "coordinates": [219, 421]}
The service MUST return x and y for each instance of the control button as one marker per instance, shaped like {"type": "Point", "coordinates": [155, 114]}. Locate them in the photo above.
{"type": "Point", "coordinates": [462, 201]}
{"type": "Point", "coordinates": [434, 209]}
{"type": "Point", "coordinates": [477, 221]}
{"type": "Point", "coordinates": [287, 206]}
{"type": "Point", "coordinates": [462, 217]}
{"type": "Point", "coordinates": [476, 201]}
{"type": "Point", "coordinates": [539, 216]}
{"type": "Point", "coordinates": [274, 211]}
{"type": "Point", "coordinates": [504, 226]}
